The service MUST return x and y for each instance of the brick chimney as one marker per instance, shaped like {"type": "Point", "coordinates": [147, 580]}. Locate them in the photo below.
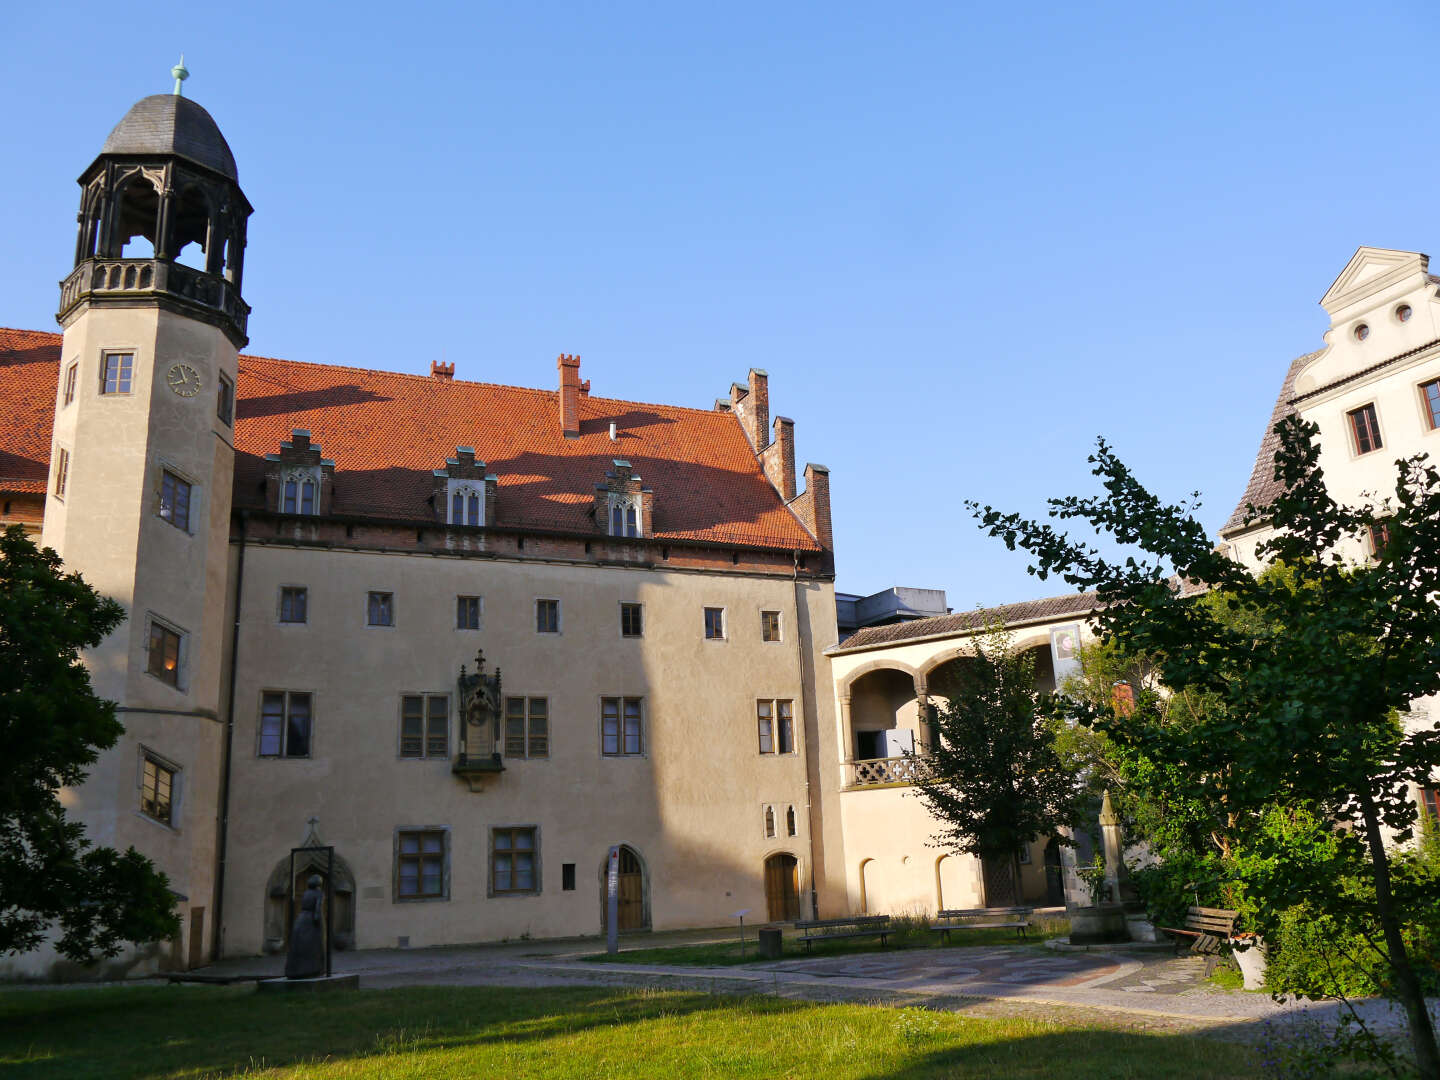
{"type": "Point", "coordinates": [778, 459]}
{"type": "Point", "coordinates": [813, 505]}
{"type": "Point", "coordinates": [571, 388]}
{"type": "Point", "coordinates": [441, 371]}
{"type": "Point", "coordinates": [751, 406]}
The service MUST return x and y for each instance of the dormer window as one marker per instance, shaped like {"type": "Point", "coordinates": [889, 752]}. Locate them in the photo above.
{"type": "Point", "coordinates": [466, 504]}
{"type": "Point", "coordinates": [623, 504]}
{"type": "Point", "coordinates": [464, 492]}
{"type": "Point", "coordinates": [298, 480]}
{"type": "Point", "coordinates": [624, 518]}
{"type": "Point", "coordinates": [298, 494]}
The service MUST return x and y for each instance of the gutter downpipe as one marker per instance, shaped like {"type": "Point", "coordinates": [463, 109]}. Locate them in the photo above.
{"type": "Point", "coordinates": [220, 850]}
{"type": "Point", "coordinates": [805, 756]}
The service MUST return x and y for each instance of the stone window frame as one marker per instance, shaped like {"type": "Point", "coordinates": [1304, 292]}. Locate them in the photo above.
{"type": "Point", "coordinates": [775, 727]}
{"type": "Point", "coordinates": [640, 612]}
{"type": "Point", "coordinates": [559, 615]}
{"type": "Point", "coordinates": [62, 471]}
{"type": "Point", "coordinates": [1354, 430]}
{"type": "Point", "coordinates": [394, 622]}
{"type": "Point", "coordinates": [445, 848]}
{"type": "Point", "coordinates": [1429, 413]}
{"type": "Point", "coordinates": [144, 755]}
{"type": "Point", "coordinates": [792, 821]}
{"type": "Point", "coordinates": [769, 822]}
{"type": "Point", "coordinates": [723, 635]}
{"type": "Point", "coordinates": [627, 505]}
{"type": "Point", "coordinates": [182, 651]}
{"type": "Point", "coordinates": [118, 350]}
{"type": "Point", "coordinates": [71, 384]}
{"type": "Point", "coordinates": [304, 591]}
{"type": "Point", "coordinates": [779, 638]}
{"type": "Point", "coordinates": [225, 399]}
{"type": "Point", "coordinates": [299, 475]}
{"type": "Point", "coordinates": [479, 612]}
{"type": "Point", "coordinates": [528, 735]}
{"type": "Point", "coordinates": [491, 892]}
{"type": "Point", "coordinates": [194, 510]}
{"type": "Point", "coordinates": [620, 751]}
{"type": "Point", "coordinates": [426, 754]}
{"type": "Point", "coordinates": [467, 490]}
{"type": "Point", "coordinates": [284, 755]}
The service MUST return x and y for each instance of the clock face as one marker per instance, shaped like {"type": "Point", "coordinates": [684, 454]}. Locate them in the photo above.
{"type": "Point", "coordinates": [184, 380]}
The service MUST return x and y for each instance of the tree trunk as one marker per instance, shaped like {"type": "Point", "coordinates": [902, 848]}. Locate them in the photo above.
{"type": "Point", "coordinates": [1407, 986]}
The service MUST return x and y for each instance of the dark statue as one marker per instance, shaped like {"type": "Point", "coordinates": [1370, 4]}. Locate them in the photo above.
{"type": "Point", "coordinates": [306, 956]}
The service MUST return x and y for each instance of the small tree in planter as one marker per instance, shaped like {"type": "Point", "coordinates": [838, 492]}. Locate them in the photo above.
{"type": "Point", "coordinates": [995, 777]}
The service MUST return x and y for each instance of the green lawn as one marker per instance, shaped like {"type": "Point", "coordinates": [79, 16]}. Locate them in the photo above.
{"type": "Point", "coordinates": [131, 1033]}
{"type": "Point", "coordinates": [728, 953]}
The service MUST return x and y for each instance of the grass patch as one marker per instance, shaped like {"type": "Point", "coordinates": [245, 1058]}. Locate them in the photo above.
{"type": "Point", "coordinates": [910, 935]}
{"type": "Point", "coordinates": [192, 1032]}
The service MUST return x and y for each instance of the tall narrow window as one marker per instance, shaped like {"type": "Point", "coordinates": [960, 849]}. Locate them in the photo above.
{"type": "Point", "coordinates": [115, 373]}
{"type": "Point", "coordinates": [617, 521]}
{"type": "Point", "coordinates": [632, 620]}
{"type": "Point", "coordinates": [765, 715]}
{"type": "Point", "coordinates": [425, 726]}
{"type": "Point", "coordinates": [790, 821]}
{"type": "Point", "coordinates": [72, 375]}
{"type": "Point", "coordinates": [294, 602]}
{"type": "Point", "coordinates": [307, 497]}
{"type": "Point", "coordinates": [284, 724]}
{"type": "Point", "coordinates": [776, 723]}
{"type": "Point", "coordinates": [1365, 426]}
{"type": "Point", "coordinates": [164, 658]}
{"type": "Point", "coordinates": [1379, 537]}
{"type": "Point", "coordinates": [715, 624]}
{"type": "Point", "coordinates": [547, 616]}
{"type": "Point", "coordinates": [1430, 395]}
{"type": "Point", "coordinates": [420, 864]}
{"type": "Point", "coordinates": [621, 726]}
{"type": "Point", "coordinates": [175, 500]}
{"type": "Point", "coordinates": [157, 787]}
{"type": "Point", "coordinates": [512, 861]}
{"type": "Point", "coordinates": [380, 609]}
{"type": "Point", "coordinates": [457, 509]}
{"type": "Point", "coordinates": [527, 727]}
{"type": "Point", "coordinates": [62, 472]}
{"type": "Point", "coordinates": [769, 823]}
{"type": "Point", "coordinates": [1430, 800]}
{"type": "Point", "coordinates": [225, 399]}
{"type": "Point", "coordinates": [769, 626]}
{"type": "Point", "coordinates": [632, 526]}
{"type": "Point", "coordinates": [472, 505]}
{"type": "Point", "coordinates": [291, 489]}
{"type": "Point", "coordinates": [467, 612]}
{"type": "Point", "coordinates": [786, 731]}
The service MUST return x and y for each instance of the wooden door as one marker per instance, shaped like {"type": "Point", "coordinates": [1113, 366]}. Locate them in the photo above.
{"type": "Point", "coordinates": [197, 937]}
{"type": "Point", "coordinates": [782, 888]}
{"type": "Point", "coordinates": [631, 914]}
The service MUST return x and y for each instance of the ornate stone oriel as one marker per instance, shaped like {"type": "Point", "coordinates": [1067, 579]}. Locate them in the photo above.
{"type": "Point", "coordinates": [479, 724]}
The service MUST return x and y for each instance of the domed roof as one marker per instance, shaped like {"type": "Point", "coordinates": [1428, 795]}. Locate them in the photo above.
{"type": "Point", "coordinates": [171, 124]}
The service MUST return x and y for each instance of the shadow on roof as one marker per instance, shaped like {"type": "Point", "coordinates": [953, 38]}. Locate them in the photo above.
{"type": "Point", "coordinates": [634, 418]}
{"type": "Point", "coordinates": [253, 408]}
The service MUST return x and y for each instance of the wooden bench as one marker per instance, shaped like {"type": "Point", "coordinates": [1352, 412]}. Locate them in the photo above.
{"type": "Point", "coordinates": [837, 929]}
{"type": "Point", "coordinates": [995, 918]}
{"type": "Point", "coordinates": [1210, 927]}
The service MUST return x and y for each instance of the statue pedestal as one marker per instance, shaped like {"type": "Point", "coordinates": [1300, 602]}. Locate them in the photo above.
{"type": "Point", "coordinates": [303, 986]}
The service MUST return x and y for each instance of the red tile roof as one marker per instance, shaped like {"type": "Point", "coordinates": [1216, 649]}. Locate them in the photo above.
{"type": "Point", "coordinates": [388, 432]}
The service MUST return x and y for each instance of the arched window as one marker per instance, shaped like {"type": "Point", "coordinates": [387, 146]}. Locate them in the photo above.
{"type": "Point", "coordinates": [457, 509]}
{"type": "Point", "coordinates": [289, 504]}
{"type": "Point", "coordinates": [474, 504]}
{"type": "Point", "coordinates": [790, 821]}
{"type": "Point", "coordinates": [769, 822]}
{"type": "Point", "coordinates": [632, 528]}
{"type": "Point", "coordinates": [307, 497]}
{"type": "Point", "coordinates": [617, 526]}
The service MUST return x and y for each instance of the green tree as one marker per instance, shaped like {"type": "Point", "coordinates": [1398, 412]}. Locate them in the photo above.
{"type": "Point", "coordinates": [52, 726]}
{"type": "Point", "coordinates": [1310, 665]}
{"type": "Point", "coordinates": [994, 775]}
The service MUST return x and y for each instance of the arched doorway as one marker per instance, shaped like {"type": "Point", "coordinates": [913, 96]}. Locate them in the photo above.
{"type": "Point", "coordinates": [633, 907]}
{"type": "Point", "coordinates": [782, 887]}
{"type": "Point", "coordinates": [1054, 874]}
{"type": "Point", "coordinates": [282, 888]}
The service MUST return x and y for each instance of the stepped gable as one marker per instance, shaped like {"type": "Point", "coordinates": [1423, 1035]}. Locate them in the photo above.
{"type": "Point", "coordinates": [388, 432]}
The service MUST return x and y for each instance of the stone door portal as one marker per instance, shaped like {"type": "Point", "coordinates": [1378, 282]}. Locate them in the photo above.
{"type": "Point", "coordinates": [631, 914]}
{"type": "Point", "coordinates": [782, 888]}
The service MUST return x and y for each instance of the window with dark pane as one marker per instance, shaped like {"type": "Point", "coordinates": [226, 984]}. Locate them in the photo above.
{"type": "Point", "coordinates": [621, 726]}
{"type": "Point", "coordinates": [294, 604]}
{"type": "Point", "coordinates": [765, 718]}
{"type": "Point", "coordinates": [790, 821]}
{"type": "Point", "coordinates": [115, 374]}
{"type": "Point", "coordinates": [715, 623]}
{"type": "Point", "coordinates": [285, 723]}
{"type": "Point", "coordinates": [72, 374]}
{"type": "Point", "coordinates": [547, 616]}
{"type": "Point", "coordinates": [1365, 426]}
{"type": "Point", "coordinates": [225, 400]}
{"type": "Point", "coordinates": [156, 787]}
{"type": "Point", "coordinates": [512, 860]}
{"type": "Point", "coordinates": [420, 864]}
{"type": "Point", "coordinates": [769, 626]}
{"type": "Point", "coordinates": [164, 659]}
{"type": "Point", "coordinates": [1430, 393]}
{"type": "Point", "coordinates": [467, 613]}
{"type": "Point", "coordinates": [380, 609]}
{"type": "Point", "coordinates": [515, 727]}
{"type": "Point", "coordinates": [175, 500]}
{"type": "Point", "coordinates": [631, 620]}
{"type": "Point", "coordinates": [786, 727]}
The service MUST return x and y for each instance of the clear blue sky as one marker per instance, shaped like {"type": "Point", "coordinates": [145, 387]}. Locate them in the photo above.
{"type": "Point", "coordinates": [963, 239]}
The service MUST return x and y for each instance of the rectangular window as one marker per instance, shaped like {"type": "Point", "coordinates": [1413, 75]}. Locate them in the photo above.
{"type": "Point", "coordinates": [1365, 426]}
{"type": "Point", "coordinates": [567, 877]}
{"type": "Point", "coordinates": [294, 604]}
{"type": "Point", "coordinates": [62, 472]}
{"type": "Point", "coordinates": [715, 624]}
{"type": "Point", "coordinates": [420, 864]}
{"type": "Point", "coordinates": [631, 620]}
{"type": "Point", "coordinates": [776, 723]}
{"type": "Point", "coordinates": [115, 373]}
{"type": "Point", "coordinates": [467, 613]}
{"type": "Point", "coordinates": [512, 861]}
{"type": "Point", "coordinates": [425, 726]}
{"type": "Point", "coordinates": [164, 659]}
{"type": "Point", "coordinates": [1379, 537]}
{"type": "Point", "coordinates": [769, 626]}
{"type": "Point", "coordinates": [225, 400]}
{"type": "Point", "coordinates": [157, 785]}
{"type": "Point", "coordinates": [547, 616]}
{"type": "Point", "coordinates": [175, 500]}
{"type": "Point", "coordinates": [380, 609]}
{"type": "Point", "coordinates": [72, 374]}
{"type": "Point", "coordinates": [527, 727]}
{"type": "Point", "coordinates": [285, 722]}
{"type": "Point", "coordinates": [1430, 395]}
{"type": "Point", "coordinates": [622, 730]}
{"type": "Point", "coordinates": [1430, 801]}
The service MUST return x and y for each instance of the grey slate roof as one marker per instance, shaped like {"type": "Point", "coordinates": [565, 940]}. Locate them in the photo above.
{"type": "Point", "coordinates": [964, 622]}
{"type": "Point", "coordinates": [171, 124]}
{"type": "Point", "coordinates": [1263, 486]}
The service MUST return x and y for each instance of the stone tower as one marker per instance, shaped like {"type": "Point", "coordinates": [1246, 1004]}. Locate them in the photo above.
{"type": "Point", "coordinates": [141, 472]}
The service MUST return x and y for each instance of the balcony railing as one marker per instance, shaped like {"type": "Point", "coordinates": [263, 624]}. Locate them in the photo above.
{"type": "Point", "coordinates": [112, 277]}
{"type": "Point", "coordinates": [874, 772]}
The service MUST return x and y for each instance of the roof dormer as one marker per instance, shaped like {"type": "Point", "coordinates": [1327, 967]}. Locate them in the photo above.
{"type": "Point", "coordinates": [623, 505]}
{"type": "Point", "coordinates": [464, 494]}
{"type": "Point", "coordinates": [298, 480]}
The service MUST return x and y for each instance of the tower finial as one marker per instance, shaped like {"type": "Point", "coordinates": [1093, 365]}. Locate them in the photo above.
{"type": "Point", "coordinates": [179, 73]}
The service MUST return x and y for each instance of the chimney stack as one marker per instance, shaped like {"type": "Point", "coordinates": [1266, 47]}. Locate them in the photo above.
{"type": "Point", "coordinates": [440, 370]}
{"type": "Point", "coordinates": [778, 459]}
{"type": "Point", "coordinates": [813, 505]}
{"type": "Point", "coordinates": [570, 390]}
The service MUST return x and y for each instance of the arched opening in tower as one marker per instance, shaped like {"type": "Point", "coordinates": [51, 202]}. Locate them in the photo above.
{"type": "Point", "coordinates": [137, 219]}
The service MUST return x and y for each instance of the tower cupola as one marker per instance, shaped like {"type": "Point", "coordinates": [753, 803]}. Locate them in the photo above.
{"type": "Point", "coordinates": [162, 219]}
